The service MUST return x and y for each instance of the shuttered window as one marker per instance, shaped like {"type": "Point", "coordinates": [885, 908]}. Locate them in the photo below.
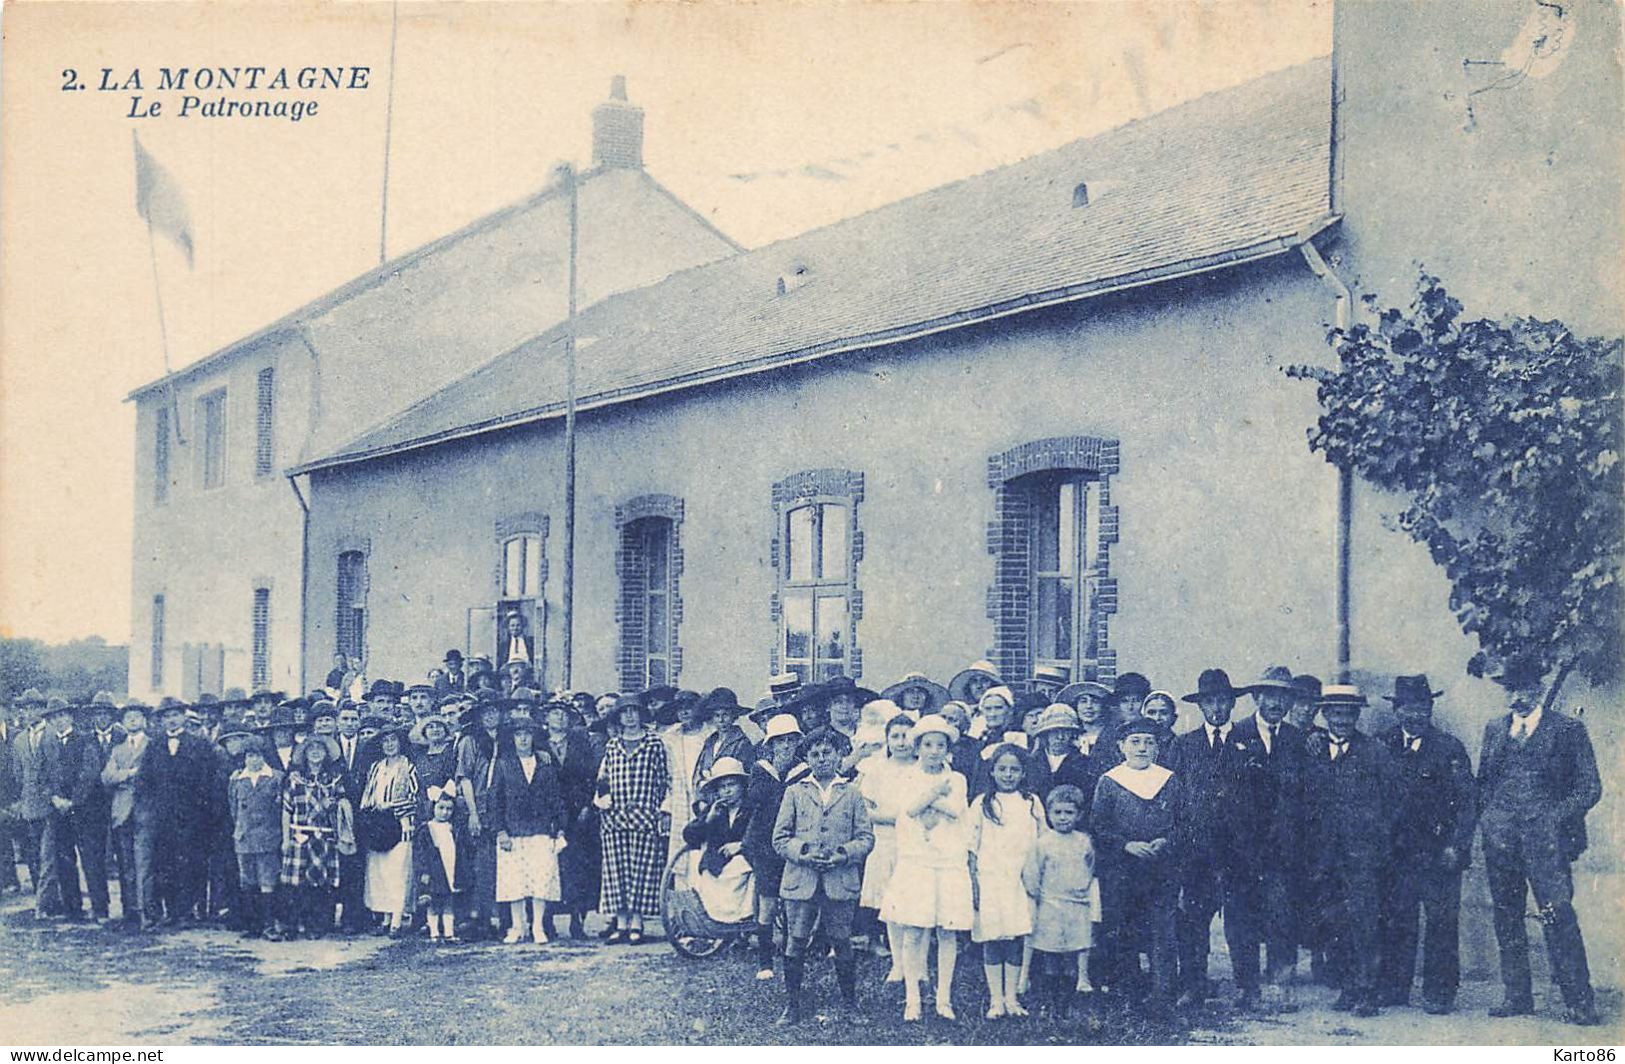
{"type": "Point", "coordinates": [264, 424]}
{"type": "Point", "coordinates": [261, 624]}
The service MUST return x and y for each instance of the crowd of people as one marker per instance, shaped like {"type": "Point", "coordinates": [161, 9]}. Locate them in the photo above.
{"type": "Point", "coordinates": [1060, 831]}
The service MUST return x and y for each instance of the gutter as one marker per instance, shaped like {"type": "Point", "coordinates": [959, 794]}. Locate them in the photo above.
{"type": "Point", "coordinates": [1342, 299]}
{"type": "Point", "coordinates": [1019, 305]}
{"type": "Point", "coordinates": [304, 577]}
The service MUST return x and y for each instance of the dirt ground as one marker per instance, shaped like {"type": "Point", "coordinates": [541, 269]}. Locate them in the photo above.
{"type": "Point", "coordinates": [80, 985]}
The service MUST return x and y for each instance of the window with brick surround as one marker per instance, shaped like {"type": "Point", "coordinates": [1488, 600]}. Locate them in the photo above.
{"type": "Point", "coordinates": [816, 603]}
{"type": "Point", "coordinates": [160, 455]}
{"type": "Point", "coordinates": [260, 669]}
{"type": "Point", "coordinates": [211, 453]}
{"type": "Point", "coordinates": [1052, 595]}
{"type": "Point", "coordinates": [265, 424]}
{"type": "Point", "coordinates": [157, 642]}
{"type": "Point", "coordinates": [650, 609]}
{"type": "Point", "coordinates": [351, 621]}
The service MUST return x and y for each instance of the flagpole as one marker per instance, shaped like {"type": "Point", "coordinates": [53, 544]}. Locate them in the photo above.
{"type": "Point", "coordinates": [163, 332]}
{"type": "Point", "coordinates": [568, 176]}
{"type": "Point", "coordinates": [389, 125]}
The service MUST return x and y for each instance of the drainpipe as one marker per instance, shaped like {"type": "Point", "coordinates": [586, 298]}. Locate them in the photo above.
{"type": "Point", "coordinates": [304, 577]}
{"type": "Point", "coordinates": [1342, 299]}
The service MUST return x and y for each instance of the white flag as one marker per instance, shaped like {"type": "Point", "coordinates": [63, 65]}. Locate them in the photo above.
{"type": "Point", "coordinates": [158, 200]}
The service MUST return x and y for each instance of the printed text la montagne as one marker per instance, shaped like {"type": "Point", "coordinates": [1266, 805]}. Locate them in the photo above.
{"type": "Point", "coordinates": [285, 92]}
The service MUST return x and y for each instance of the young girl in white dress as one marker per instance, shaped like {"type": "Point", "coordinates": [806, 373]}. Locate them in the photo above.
{"type": "Point", "coordinates": [880, 781]}
{"type": "Point", "coordinates": [1005, 823]}
{"type": "Point", "coordinates": [930, 887]}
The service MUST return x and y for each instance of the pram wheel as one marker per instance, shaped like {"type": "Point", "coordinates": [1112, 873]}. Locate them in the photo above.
{"type": "Point", "coordinates": [689, 929]}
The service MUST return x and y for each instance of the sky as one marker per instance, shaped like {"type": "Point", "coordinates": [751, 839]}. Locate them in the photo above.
{"type": "Point", "coordinates": [769, 120]}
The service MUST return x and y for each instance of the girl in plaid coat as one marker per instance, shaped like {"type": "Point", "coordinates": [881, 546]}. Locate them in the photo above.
{"type": "Point", "coordinates": [632, 784]}
{"type": "Point", "coordinates": [310, 853]}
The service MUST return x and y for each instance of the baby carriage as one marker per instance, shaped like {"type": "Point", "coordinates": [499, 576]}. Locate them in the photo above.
{"type": "Point", "coordinates": [688, 897]}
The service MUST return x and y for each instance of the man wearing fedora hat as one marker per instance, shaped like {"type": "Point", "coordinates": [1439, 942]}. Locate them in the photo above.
{"type": "Point", "coordinates": [65, 758]}
{"type": "Point", "coordinates": [1433, 841]}
{"type": "Point", "coordinates": [452, 677]}
{"type": "Point", "coordinates": [1537, 778]}
{"type": "Point", "coordinates": [1269, 819]}
{"type": "Point", "coordinates": [1350, 787]}
{"type": "Point", "coordinates": [1209, 763]}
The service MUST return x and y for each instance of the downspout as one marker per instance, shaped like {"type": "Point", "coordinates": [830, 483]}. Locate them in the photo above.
{"type": "Point", "coordinates": [304, 578]}
{"type": "Point", "coordinates": [1342, 300]}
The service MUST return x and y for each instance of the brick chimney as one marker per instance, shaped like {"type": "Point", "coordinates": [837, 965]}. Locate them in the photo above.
{"type": "Point", "coordinates": [617, 130]}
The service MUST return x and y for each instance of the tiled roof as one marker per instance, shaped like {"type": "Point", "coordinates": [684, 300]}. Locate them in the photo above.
{"type": "Point", "coordinates": [1228, 177]}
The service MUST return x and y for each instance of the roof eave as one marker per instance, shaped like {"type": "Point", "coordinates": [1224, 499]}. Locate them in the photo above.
{"type": "Point", "coordinates": [960, 319]}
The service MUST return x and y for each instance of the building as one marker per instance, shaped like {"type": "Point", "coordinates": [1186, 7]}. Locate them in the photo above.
{"type": "Point", "coordinates": [1036, 415]}
{"type": "Point", "coordinates": [219, 532]}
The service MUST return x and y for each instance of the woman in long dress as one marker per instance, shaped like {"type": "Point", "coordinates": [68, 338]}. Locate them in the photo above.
{"type": "Point", "coordinates": [391, 790]}
{"type": "Point", "coordinates": [528, 817]}
{"type": "Point", "coordinates": [632, 786]}
{"type": "Point", "coordinates": [685, 741]}
{"type": "Point", "coordinates": [572, 751]}
{"type": "Point", "coordinates": [310, 816]}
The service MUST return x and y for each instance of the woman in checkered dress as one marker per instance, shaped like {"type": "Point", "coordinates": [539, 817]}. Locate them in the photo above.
{"type": "Point", "coordinates": [632, 784]}
{"type": "Point", "coordinates": [310, 852]}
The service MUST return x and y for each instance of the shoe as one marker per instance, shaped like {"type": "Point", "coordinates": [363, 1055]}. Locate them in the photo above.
{"type": "Point", "coordinates": [911, 1012]}
{"type": "Point", "coordinates": [1190, 1000]}
{"type": "Point", "coordinates": [275, 935]}
{"type": "Point", "coordinates": [634, 938]}
{"type": "Point", "coordinates": [946, 1011]}
{"type": "Point", "coordinates": [608, 934]}
{"type": "Point", "coordinates": [790, 1016]}
{"type": "Point", "coordinates": [1513, 1007]}
{"type": "Point", "coordinates": [1582, 1015]}
{"type": "Point", "coordinates": [577, 928]}
{"type": "Point", "coordinates": [1246, 999]}
{"type": "Point", "coordinates": [1366, 1009]}
{"type": "Point", "coordinates": [515, 935]}
{"type": "Point", "coordinates": [1436, 1007]}
{"type": "Point", "coordinates": [995, 1011]}
{"type": "Point", "coordinates": [540, 936]}
{"type": "Point", "coordinates": [895, 975]}
{"type": "Point", "coordinates": [764, 975]}
{"type": "Point", "coordinates": [1346, 1002]}
{"type": "Point", "coordinates": [615, 937]}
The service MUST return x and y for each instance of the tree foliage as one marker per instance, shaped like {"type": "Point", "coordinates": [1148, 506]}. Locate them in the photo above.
{"type": "Point", "coordinates": [1505, 438]}
{"type": "Point", "coordinates": [74, 670]}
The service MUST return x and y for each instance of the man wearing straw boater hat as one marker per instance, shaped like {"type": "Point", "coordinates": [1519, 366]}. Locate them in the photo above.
{"type": "Point", "coordinates": [1209, 765]}
{"type": "Point", "coordinates": [1433, 842]}
{"type": "Point", "coordinates": [1350, 788]}
{"type": "Point", "coordinates": [1537, 778]}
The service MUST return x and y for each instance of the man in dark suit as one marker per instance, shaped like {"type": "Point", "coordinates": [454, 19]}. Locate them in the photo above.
{"type": "Point", "coordinates": [353, 768]}
{"type": "Point", "coordinates": [451, 676]}
{"type": "Point", "coordinates": [1268, 854]}
{"type": "Point", "coordinates": [64, 756]}
{"type": "Point", "coordinates": [1209, 763]}
{"type": "Point", "coordinates": [1537, 778]}
{"type": "Point", "coordinates": [92, 809]}
{"type": "Point", "coordinates": [181, 766]}
{"type": "Point", "coordinates": [1350, 786]}
{"type": "Point", "coordinates": [1433, 842]}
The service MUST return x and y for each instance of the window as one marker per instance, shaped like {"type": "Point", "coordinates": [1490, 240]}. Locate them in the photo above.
{"type": "Point", "coordinates": [818, 603]}
{"type": "Point", "coordinates": [212, 452]}
{"type": "Point", "coordinates": [1053, 525]}
{"type": "Point", "coordinates": [264, 410]}
{"type": "Point", "coordinates": [351, 624]}
{"type": "Point", "coordinates": [522, 566]}
{"type": "Point", "coordinates": [160, 454]}
{"type": "Point", "coordinates": [157, 642]}
{"type": "Point", "coordinates": [1062, 548]}
{"type": "Point", "coordinates": [650, 609]}
{"type": "Point", "coordinates": [261, 626]}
